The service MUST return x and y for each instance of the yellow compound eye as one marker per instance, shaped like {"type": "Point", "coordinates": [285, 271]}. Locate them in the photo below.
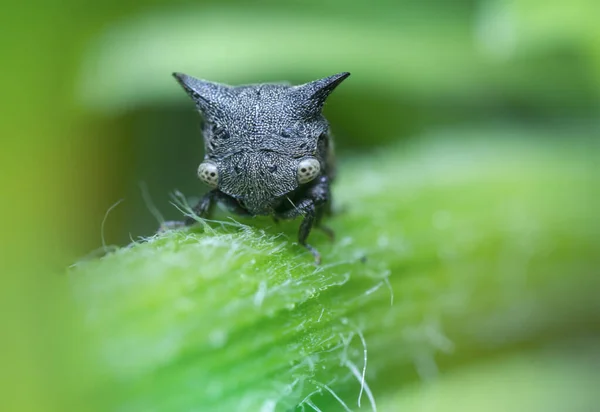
{"type": "Point", "coordinates": [308, 169]}
{"type": "Point", "coordinates": [207, 172]}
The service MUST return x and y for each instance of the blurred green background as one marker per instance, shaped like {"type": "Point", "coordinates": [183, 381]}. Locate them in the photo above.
{"type": "Point", "coordinates": [91, 114]}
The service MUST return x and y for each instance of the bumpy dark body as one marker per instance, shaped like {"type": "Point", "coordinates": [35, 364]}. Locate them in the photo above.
{"type": "Point", "coordinates": [268, 149]}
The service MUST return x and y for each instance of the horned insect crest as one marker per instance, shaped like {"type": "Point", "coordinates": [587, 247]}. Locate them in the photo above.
{"type": "Point", "coordinates": [210, 96]}
{"type": "Point", "coordinates": [268, 149]}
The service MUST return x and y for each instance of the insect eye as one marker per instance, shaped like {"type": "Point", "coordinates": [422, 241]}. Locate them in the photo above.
{"type": "Point", "coordinates": [207, 172]}
{"type": "Point", "coordinates": [308, 169]}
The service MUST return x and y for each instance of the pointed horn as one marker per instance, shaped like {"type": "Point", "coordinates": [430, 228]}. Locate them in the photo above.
{"type": "Point", "coordinates": [316, 92]}
{"type": "Point", "coordinates": [207, 95]}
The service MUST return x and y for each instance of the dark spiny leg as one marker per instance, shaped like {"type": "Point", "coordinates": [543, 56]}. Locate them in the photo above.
{"type": "Point", "coordinates": [203, 208]}
{"type": "Point", "coordinates": [310, 207]}
{"type": "Point", "coordinates": [306, 208]}
{"type": "Point", "coordinates": [304, 231]}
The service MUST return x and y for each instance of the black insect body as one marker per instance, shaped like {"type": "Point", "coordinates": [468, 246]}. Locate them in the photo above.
{"type": "Point", "coordinates": [268, 149]}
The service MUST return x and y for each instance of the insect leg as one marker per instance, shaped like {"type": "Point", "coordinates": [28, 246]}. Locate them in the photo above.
{"type": "Point", "coordinates": [312, 208]}
{"type": "Point", "coordinates": [203, 208]}
{"type": "Point", "coordinates": [307, 209]}
{"type": "Point", "coordinates": [305, 228]}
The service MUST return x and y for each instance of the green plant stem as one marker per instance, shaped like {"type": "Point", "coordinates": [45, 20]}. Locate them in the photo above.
{"type": "Point", "coordinates": [446, 253]}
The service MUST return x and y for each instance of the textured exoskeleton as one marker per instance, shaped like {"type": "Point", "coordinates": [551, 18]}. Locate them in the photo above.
{"type": "Point", "coordinates": [268, 149]}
